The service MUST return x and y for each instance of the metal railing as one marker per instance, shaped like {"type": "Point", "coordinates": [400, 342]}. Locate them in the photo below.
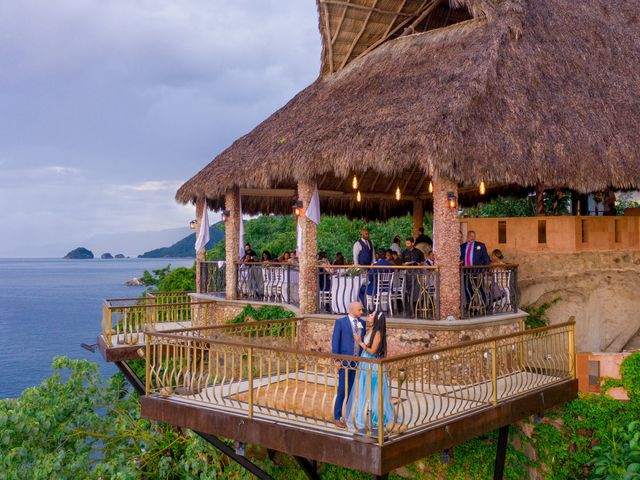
{"type": "Point", "coordinates": [124, 319]}
{"type": "Point", "coordinates": [241, 372]}
{"type": "Point", "coordinates": [269, 282]}
{"type": "Point", "coordinates": [401, 291]}
{"type": "Point", "coordinates": [212, 277]}
{"type": "Point", "coordinates": [488, 290]}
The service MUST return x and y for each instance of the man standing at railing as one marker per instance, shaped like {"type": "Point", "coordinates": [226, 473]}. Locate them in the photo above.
{"type": "Point", "coordinates": [474, 254]}
{"type": "Point", "coordinates": [363, 253]}
{"type": "Point", "coordinates": [343, 343]}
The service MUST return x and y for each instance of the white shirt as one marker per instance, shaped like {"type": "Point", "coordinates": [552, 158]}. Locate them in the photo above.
{"type": "Point", "coordinates": [355, 328]}
{"type": "Point", "coordinates": [356, 251]}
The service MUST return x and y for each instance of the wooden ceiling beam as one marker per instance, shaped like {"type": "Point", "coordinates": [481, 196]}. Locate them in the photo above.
{"type": "Point", "coordinates": [427, 11]}
{"type": "Point", "coordinates": [335, 34]}
{"type": "Point", "coordinates": [328, 43]}
{"type": "Point", "coordinates": [368, 9]}
{"type": "Point", "coordinates": [357, 38]}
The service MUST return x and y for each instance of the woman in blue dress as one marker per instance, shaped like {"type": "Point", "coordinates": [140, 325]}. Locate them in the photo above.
{"type": "Point", "coordinates": [362, 405]}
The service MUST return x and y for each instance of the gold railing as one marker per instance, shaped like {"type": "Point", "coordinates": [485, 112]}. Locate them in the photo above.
{"type": "Point", "coordinates": [124, 319]}
{"type": "Point", "coordinates": [258, 375]}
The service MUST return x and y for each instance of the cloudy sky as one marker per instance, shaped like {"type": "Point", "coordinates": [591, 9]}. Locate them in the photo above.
{"type": "Point", "coordinates": [106, 107]}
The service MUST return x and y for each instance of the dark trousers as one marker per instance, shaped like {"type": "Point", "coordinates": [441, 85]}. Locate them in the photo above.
{"type": "Point", "coordinates": [340, 397]}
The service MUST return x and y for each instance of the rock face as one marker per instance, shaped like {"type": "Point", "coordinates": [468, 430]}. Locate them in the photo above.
{"type": "Point", "coordinates": [134, 282]}
{"type": "Point", "coordinates": [106, 256]}
{"type": "Point", "coordinates": [600, 289]}
{"type": "Point", "coordinates": [119, 255]}
{"type": "Point", "coordinates": [79, 253]}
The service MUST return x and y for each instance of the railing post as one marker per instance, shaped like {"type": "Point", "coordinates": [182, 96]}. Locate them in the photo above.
{"type": "Point", "coordinates": [494, 371]}
{"type": "Point", "coordinates": [380, 405]}
{"type": "Point", "coordinates": [250, 373]}
{"type": "Point", "coordinates": [147, 365]}
{"type": "Point", "coordinates": [572, 350]}
{"type": "Point", "coordinates": [522, 328]}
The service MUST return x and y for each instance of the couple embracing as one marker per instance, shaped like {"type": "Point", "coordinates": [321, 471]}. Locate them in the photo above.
{"type": "Point", "coordinates": [353, 336]}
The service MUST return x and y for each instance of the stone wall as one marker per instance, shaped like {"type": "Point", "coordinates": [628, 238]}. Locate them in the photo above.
{"type": "Point", "coordinates": [315, 335]}
{"type": "Point", "coordinates": [599, 289]}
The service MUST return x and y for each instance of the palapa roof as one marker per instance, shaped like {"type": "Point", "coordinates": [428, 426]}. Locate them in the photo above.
{"type": "Point", "coordinates": [526, 92]}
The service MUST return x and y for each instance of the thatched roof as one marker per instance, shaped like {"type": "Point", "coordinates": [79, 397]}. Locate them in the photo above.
{"type": "Point", "coordinates": [528, 92]}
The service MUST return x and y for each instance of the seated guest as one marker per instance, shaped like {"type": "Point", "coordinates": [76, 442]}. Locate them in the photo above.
{"type": "Point", "coordinates": [395, 246]}
{"type": "Point", "coordinates": [247, 258]}
{"type": "Point", "coordinates": [373, 275]}
{"type": "Point", "coordinates": [339, 260]}
{"type": "Point", "coordinates": [430, 261]}
{"type": "Point", "coordinates": [285, 257]}
{"type": "Point", "coordinates": [397, 257]}
{"type": "Point", "coordinates": [249, 251]}
{"type": "Point", "coordinates": [324, 272]}
{"type": "Point", "coordinates": [266, 256]}
{"type": "Point", "coordinates": [411, 255]}
{"type": "Point", "coordinates": [294, 258]}
{"type": "Point", "coordinates": [388, 256]}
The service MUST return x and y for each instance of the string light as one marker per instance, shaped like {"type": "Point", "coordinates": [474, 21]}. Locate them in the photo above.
{"type": "Point", "coordinates": [430, 187]}
{"type": "Point", "coordinates": [354, 183]}
{"type": "Point", "coordinates": [482, 188]}
{"type": "Point", "coordinates": [398, 193]}
{"type": "Point", "coordinates": [358, 196]}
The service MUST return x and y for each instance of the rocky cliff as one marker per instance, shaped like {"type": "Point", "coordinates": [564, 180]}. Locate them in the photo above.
{"type": "Point", "coordinates": [600, 289]}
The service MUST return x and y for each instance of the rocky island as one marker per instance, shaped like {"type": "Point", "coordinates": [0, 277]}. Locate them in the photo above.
{"type": "Point", "coordinates": [79, 253]}
{"type": "Point", "coordinates": [106, 256]}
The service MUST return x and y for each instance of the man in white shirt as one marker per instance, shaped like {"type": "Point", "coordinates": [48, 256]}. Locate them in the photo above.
{"type": "Point", "coordinates": [363, 252]}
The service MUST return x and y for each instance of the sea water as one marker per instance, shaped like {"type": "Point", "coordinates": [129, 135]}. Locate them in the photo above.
{"type": "Point", "coordinates": [49, 307]}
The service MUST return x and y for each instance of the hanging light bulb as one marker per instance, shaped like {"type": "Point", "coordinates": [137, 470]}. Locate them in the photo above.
{"type": "Point", "coordinates": [430, 186]}
{"type": "Point", "coordinates": [482, 188]}
{"type": "Point", "coordinates": [398, 195]}
{"type": "Point", "coordinates": [354, 183]}
{"type": "Point", "coordinates": [358, 196]}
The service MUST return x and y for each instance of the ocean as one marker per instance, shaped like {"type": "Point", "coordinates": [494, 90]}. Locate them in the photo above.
{"type": "Point", "coordinates": [49, 307]}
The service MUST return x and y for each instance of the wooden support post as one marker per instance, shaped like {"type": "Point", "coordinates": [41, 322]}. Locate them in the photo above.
{"type": "Point", "coordinates": [201, 255]}
{"type": "Point", "coordinates": [446, 233]}
{"type": "Point", "coordinates": [501, 452]}
{"type": "Point", "coordinates": [308, 258]}
{"type": "Point", "coordinates": [540, 210]}
{"type": "Point", "coordinates": [232, 239]}
{"type": "Point", "coordinates": [418, 216]}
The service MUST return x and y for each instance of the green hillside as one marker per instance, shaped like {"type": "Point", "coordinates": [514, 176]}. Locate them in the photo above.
{"type": "Point", "coordinates": [185, 248]}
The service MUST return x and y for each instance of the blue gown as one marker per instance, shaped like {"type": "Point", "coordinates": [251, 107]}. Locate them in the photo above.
{"type": "Point", "coordinates": [357, 414]}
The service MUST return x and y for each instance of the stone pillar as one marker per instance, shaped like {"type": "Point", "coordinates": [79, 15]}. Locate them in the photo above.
{"type": "Point", "coordinates": [308, 258]}
{"type": "Point", "coordinates": [232, 239]}
{"type": "Point", "coordinates": [418, 216]}
{"type": "Point", "coordinates": [446, 237]}
{"type": "Point", "coordinates": [201, 255]}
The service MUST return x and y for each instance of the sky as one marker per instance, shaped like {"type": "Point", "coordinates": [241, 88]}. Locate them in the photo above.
{"type": "Point", "coordinates": [107, 107]}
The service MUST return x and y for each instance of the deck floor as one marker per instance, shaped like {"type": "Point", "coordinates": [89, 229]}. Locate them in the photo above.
{"type": "Point", "coordinates": [298, 400]}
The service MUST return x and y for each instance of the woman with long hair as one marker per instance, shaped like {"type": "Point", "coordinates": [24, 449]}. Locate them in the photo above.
{"type": "Point", "coordinates": [362, 406]}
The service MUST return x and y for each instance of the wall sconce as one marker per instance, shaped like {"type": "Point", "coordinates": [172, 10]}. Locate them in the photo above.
{"type": "Point", "coordinates": [451, 198]}
{"type": "Point", "coordinates": [398, 195]}
{"type": "Point", "coordinates": [430, 187]}
{"type": "Point", "coordinates": [354, 183]}
{"type": "Point", "coordinates": [298, 209]}
{"type": "Point", "coordinates": [483, 189]}
{"type": "Point", "coordinates": [192, 224]}
{"type": "Point", "coordinates": [358, 196]}
{"type": "Point", "coordinates": [225, 215]}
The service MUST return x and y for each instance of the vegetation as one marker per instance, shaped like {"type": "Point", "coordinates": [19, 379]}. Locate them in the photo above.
{"type": "Point", "coordinates": [185, 248]}
{"type": "Point", "coordinates": [164, 279]}
{"type": "Point", "coordinates": [537, 316]}
{"type": "Point", "coordinates": [263, 313]}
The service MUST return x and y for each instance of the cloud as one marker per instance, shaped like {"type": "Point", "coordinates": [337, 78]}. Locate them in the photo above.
{"type": "Point", "coordinates": [109, 106]}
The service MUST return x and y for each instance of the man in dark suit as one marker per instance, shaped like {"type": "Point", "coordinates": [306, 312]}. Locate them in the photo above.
{"type": "Point", "coordinates": [343, 343]}
{"type": "Point", "coordinates": [474, 254]}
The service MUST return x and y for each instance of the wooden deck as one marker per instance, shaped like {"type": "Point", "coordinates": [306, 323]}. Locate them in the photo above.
{"type": "Point", "coordinates": [324, 442]}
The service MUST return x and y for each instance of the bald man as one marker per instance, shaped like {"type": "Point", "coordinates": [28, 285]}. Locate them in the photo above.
{"type": "Point", "coordinates": [343, 343]}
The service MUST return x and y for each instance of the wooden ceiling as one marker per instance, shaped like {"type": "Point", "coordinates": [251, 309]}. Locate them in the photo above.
{"type": "Point", "coordinates": [352, 28]}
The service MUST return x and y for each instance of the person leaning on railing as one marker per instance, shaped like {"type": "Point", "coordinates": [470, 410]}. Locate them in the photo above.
{"type": "Point", "coordinates": [473, 254]}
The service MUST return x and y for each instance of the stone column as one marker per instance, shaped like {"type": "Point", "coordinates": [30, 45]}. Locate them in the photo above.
{"type": "Point", "coordinates": [231, 239]}
{"type": "Point", "coordinates": [308, 258]}
{"type": "Point", "coordinates": [418, 216]}
{"type": "Point", "coordinates": [201, 255]}
{"type": "Point", "coordinates": [446, 237]}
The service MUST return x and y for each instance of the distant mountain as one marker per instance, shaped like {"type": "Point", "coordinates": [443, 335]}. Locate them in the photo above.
{"type": "Point", "coordinates": [132, 243]}
{"type": "Point", "coordinates": [79, 253]}
{"type": "Point", "coordinates": [186, 248]}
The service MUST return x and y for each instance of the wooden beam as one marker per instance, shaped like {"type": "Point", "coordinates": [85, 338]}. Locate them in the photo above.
{"type": "Point", "coordinates": [355, 40]}
{"type": "Point", "coordinates": [393, 32]}
{"type": "Point", "coordinates": [328, 42]}
{"type": "Point", "coordinates": [369, 9]}
{"type": "Point", "coordinates": [411, 28]}
{"type": "Point", "coordinates": [335, 34]}
{"type": "Point", "coordinates": [271, 192]}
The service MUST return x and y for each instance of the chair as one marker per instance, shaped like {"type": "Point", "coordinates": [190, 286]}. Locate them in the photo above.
{"type": "Point", "coordinates": [397, 292]}
{"type": "Point", "coordinates": [383, 283]}
{"type": "Point", "coordinates": [502, 278]}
